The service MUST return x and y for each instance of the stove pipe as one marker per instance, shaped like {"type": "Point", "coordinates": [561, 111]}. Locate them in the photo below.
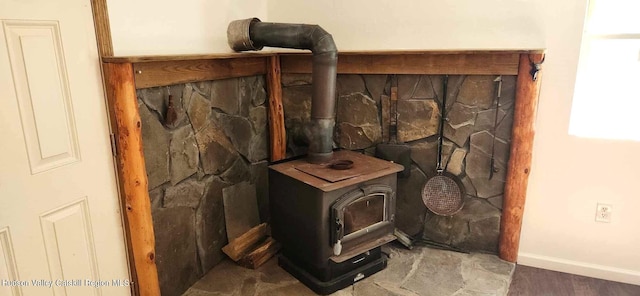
{"type": "Point", "coordinates": [252, 34]}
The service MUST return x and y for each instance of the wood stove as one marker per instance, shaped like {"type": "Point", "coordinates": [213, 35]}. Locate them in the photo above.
{"type": "Point", "coordinates": [332, 217]}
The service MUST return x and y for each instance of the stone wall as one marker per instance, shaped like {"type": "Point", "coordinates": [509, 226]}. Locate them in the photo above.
{"type": "Point", "coordinates": [469, 132]}
{"type": "Point", "coordinates": [211, 136]}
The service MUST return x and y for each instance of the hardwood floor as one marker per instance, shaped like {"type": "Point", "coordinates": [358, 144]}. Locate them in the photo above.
{"type": "Point", "coordinates": [534, 281]}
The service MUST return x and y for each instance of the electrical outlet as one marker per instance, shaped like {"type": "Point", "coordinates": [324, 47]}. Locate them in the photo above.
{"type": "Point", "coordinates": [603, 213]}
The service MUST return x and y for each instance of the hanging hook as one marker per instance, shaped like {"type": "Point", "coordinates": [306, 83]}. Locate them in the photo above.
{"type": "Point", "coordinates": [535, 67]}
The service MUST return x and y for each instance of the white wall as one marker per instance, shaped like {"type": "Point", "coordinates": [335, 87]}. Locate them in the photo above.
{"type": "Point", "coordinates": [569, 175]}
{"type": "Point", "coordinates": [148, 27]}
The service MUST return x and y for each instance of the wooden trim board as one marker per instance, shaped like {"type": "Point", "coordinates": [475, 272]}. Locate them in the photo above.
{"type": "Point", "coordinates": [150, 74]}
{"type": "Point", "coordinates": [423, 63]}
{"type": "Point", "coordinates": [103, 29]}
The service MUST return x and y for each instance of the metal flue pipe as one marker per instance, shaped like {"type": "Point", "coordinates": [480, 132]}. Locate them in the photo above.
{"type": "Point", "coordinates": [252, 34]}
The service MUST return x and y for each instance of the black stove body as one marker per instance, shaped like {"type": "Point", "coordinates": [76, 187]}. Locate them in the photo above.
{"type": "Point", "coordinates": [332, 218]}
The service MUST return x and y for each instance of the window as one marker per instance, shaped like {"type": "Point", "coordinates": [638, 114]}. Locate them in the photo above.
{"type": "Point", "coordinates": [606, 102]}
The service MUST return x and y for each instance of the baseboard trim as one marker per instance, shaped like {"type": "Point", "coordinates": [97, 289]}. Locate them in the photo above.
{"type": "Point", "coordinates": [580, 268]}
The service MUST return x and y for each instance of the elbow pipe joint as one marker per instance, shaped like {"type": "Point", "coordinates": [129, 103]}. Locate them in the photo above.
{"type": "Point", "coordinates": [252, 34]}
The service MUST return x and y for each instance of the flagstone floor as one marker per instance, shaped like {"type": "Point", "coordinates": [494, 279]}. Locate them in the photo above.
{"type": "Point", "coordinates": [421, 271]}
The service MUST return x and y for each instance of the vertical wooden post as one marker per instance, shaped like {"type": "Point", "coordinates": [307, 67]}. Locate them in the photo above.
{"type": "Point", "coordinates": [277, 132]}
{"type": "Point", "coordinates": [519, 166]}
{"type": "Point", "coordinates": [121, 94]}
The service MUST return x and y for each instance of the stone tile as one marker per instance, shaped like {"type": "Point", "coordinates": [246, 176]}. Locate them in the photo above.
{"type": "Point", "coordinates": [203, 87]}
{"type": "Point", "coordinates": [196, 292]}
{"type": "Point", "coordinates": [297, 289]}
{"type": "Point", "coordinates": [483, 142]}
{"type": "Point", "coordinates": [453, 88]}
{"type": "Point", "coordinates": [296, 102]}
{"type": "Point", "coordinates": [459, 135]}
{"type": "Point", "coordinates": [258, 93]}
{"type": "Point", "coordinates": [216, 151]}
{"type": "Point", "coordinates": [407, 85]}
{"type": "Point", "coordinates": [295, 79]}
{"type": "Point", "coordinates": [186, 194]}
{"type": "Point", "coordinates": [156, 196]}
{"type": "Point", "coordinates": [424, 88]}
{"type": "Point", "coordinates": [210, 228]}
{"type": "Point", "coordinates": [358, 125]}
{"type": "Point", "coordinates": [154, 99]}
{"type": "Point", "coordinates": [477, 168]}
{"type": "Point", "coordinates": [399, 266]}
{"type": "Point", "coordinates": [456, 161]}
{"type": "Point", "coordinates": [508, 92]}
{"type": "Point", "coordinates": [238, 129]}
{"type": "Point", "coordinates": [460, 115]}
{"type": "Point", "coordinates": [376, 85]}
{"type": "Point", "coordinates": [240, 209]}
{"type": "Point", "coordinates": [480, 281]}
{"type": "Point", "coordinates": [410, 210]}
{"type": "Point", "coordinates": [475, 227]}
{"type": "Point", "coordinates": [425, 154]}
{"type": "Point", "coordinates": [417, 119]}
{"type": "Point", "coordinates": [258, 118]}
{"type": "Point", "coordinates": [486, 119]}
{"type": "Point", "coordinates": [176, 254]}
{"type": "Point", "coordinates": [271, 273]}
{"type": "Point", "coordinates": [468, 186]}
{"type": "Point", "coordinates": [225, 94]}
{"type": "Point", "coordinates": [259, 146]}
{"type": "Point", "coordinates": [238, 172]}
{"type": "Point", "coordinates": [198, 110]}
{"type": "Point", "coordinates": [187, 91]}
{"type": "Point", "coordinates": [157, 99]}
{"type": "Point", "coordinates": [354, 137]}
{"type": "Point", "coordinates": [184, 154]}
{"type": "Point", "coordinates": [260, 177]}
{"type": "Point", "coordinates": [438, 272]}
{"type": "Point", "coordinates": [490, 263]}
{"type": "Point", "coordinates": [496, 201]}
{"type": "Point", "coordinates": [227, 278]}
{"type": "Point", "coordinates": [505, 127]}
{"type": "Point", "coordinates": [371, 289]}
{"type": "Point", "coordinates": [477, 90]}
{"type": "Point", "coordinates": [155, 148]}
{"type": "Point", "coordinates": [347, 84]}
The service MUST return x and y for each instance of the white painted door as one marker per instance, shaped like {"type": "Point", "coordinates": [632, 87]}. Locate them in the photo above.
{"type": "Point", "coordinates": [59, 214]}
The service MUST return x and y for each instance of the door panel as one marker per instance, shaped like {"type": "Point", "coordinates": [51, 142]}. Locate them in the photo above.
{"type": "Point", "coordinates": [42, 88]}
{"type": "Point", "coordinates": [8, 269]}
{"type": "Point", "coordinates": [68, 239]}
{"type": "Point", "coordinates": [58, 193]}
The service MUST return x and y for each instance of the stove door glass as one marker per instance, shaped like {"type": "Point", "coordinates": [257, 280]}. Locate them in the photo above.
{"type": "Point", "coordinates": [363, 212]}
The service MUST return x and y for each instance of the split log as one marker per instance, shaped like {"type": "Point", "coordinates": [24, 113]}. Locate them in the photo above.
{"type": "Point", "coordinates": [261, 254]}
{"type": "Point", "coordinates": [238, 247]}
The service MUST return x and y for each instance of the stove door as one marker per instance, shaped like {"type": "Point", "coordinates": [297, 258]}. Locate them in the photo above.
{"type": "Point", "coordinates": [360, 212]}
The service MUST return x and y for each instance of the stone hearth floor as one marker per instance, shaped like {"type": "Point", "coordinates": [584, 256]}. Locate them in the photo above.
{"type": "Point", "coordinates": [421, 271]}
